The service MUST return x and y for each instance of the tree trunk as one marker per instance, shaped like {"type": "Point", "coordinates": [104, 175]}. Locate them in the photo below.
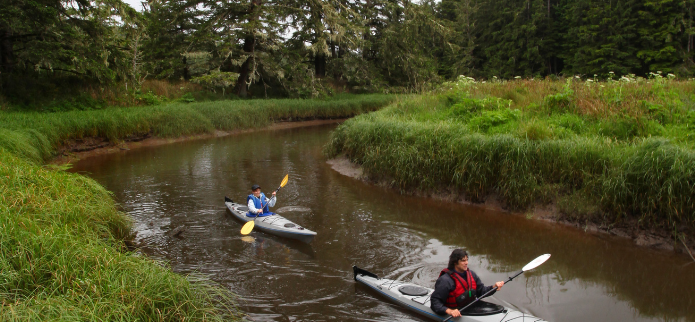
{"type": "Point", "coordinates": [6, 51]}
{"type": "Point", "coordinates": [341, 51]}
{"type": "Point", "coordinates": [320, 65]}
{"type": "Point", "coordinates": [186, 73]}
{"type": "Point", "coordinates": [245, 70]}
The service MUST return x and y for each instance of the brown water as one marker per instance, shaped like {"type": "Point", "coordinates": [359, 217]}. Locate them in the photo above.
{"type": "Point", "coordinates": [588, 277]}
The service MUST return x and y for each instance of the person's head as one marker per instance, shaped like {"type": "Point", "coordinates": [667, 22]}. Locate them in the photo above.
{"type": "Point", "coordinates": [458, 260]}
{"type": "Point", "coordinates": [256, 190]}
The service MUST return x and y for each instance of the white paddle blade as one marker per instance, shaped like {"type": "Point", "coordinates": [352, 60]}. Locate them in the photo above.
{"type": "Point", "coordinates": [536, 262]}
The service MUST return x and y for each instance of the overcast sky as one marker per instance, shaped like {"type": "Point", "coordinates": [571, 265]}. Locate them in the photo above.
{"type": "Point", "coordinates": [136, 4]}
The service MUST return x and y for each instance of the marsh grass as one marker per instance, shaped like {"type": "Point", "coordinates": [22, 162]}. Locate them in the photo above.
{"type": "Point", "coordinates": [61, 259]}
{"type": "Point", "coordinates": [626, 146]}
{"type": "Point", "coordinates": [35, 135]}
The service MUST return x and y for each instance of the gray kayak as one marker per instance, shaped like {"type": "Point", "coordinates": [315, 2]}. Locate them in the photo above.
{"type": "Point", "coordinates": [274, 224]}
{"type": "Point", "coordinates": [417, 299]}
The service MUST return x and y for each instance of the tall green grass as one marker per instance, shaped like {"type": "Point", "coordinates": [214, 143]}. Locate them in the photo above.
{"type": "Point", "coordinates": [630, 165]}
{"type": "Point", "coordinates": [61, 259]}
{"type": "Point", "coordinates": [36, 135]}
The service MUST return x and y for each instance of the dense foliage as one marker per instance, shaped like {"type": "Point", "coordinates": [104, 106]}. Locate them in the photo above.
{"type": "Point", "coordinates": [310, 48]}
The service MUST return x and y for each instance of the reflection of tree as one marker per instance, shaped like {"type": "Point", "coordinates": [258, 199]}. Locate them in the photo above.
{"type": "Point", "coordinates": [259, 247]}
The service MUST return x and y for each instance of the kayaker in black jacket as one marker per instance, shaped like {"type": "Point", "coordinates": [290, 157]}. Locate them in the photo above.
{"type": "Point", "coordinates": [457, 286]}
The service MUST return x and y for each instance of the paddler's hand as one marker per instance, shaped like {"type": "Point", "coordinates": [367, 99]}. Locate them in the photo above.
{"type": "Point", "coordinates": [259, 211]}
{"type": "Point", "coordinates": [274, 192]}
{"type": "Point", "coordinates": [453, 312]}
{"type": "Point", "coordinates": [498, 285]}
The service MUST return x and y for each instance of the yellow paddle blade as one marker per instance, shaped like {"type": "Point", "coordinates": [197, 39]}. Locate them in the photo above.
{"type": "Point", "coordinates": [248, 227]}
{"type": "Point", "coordinates": [284, 180]}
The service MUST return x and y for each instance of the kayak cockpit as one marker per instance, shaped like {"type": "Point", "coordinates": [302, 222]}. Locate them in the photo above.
{"type": "Point", "coordinates": [417, 299]}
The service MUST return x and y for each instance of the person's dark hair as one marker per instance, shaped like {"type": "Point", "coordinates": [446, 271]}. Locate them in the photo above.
{"type": "Point", "coordinates": [455, 257]}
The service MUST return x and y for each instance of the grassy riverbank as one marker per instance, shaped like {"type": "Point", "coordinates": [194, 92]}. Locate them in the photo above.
{"type": "Point", "coordinates": [605, 152]}
{"type": "Point", "coordinates": [61, 241]}
{"type": "Point", "coordinates": [35, 136]}
{"type": "Point", "coordinates": [61, 257]}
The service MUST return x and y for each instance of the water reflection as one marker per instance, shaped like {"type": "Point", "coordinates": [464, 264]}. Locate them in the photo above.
{"type": "Point", "coordinates": [587, 278]}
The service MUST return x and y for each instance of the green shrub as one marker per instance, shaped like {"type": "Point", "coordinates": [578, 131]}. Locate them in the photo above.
{"type": "Point", "coordinates": [689, 119]}
{"type": "Point", "coordinates": [571, 122]}
{"type": "Point", "coordinates": [624, 128]}
{"type": "Point", "coordinates": [187, 98]}
{"type": "Point", "coordinates": [149, 98]}
{"type": "Point", "coordinates": [489, 119]}
{"type": "Point", "coordinates": [535, 130]}
{"type": "Point", "coordinates": [560, 102]}
{"type": "Point", "coordinates": [468, 106]}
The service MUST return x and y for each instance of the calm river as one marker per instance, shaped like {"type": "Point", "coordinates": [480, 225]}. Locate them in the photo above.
{"type": "Point", "coordinates": [588, 278]}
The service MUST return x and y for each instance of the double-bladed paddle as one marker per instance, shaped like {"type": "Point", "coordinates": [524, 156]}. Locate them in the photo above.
{"type": "Point", "coordinates": [533, 264]}
{"type": "Point", "coordinates": [248, 227]}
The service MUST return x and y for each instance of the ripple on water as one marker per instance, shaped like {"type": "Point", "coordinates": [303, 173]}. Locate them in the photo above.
{"type": "Point", "coordinates": [292, 209]}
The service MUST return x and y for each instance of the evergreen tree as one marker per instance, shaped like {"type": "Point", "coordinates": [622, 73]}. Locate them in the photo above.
{"type": "Point", "coordinates": [406, 48]}
{"type": "Point", "coordinates": [80, 38]}
{"type": "Point", "coordinates": [240, 36]}
{"type": "Point", "coordinates": [329, 26]}
{"type": "Point", "coordinates": [687, 38]}
{"type": "Point", "coordinates": [660, 25]}
{"type": "Point", "coordinates": [169, 49]}
{"type": "Point", "coordinates": [460, 16]}
{"type": "Point", "coordinates": [515, 37]}
{"type": "Point", "coordinates": [603, 37]}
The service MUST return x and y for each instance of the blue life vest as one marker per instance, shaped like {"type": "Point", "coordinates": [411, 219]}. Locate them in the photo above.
{"type": "Point", "coordinates": [257, 204]}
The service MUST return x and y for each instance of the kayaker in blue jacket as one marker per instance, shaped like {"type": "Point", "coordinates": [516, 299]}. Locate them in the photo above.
{"type": "Point", "coordinates": [258, 203]}
{"type": "Point", "coordinates": [457, 286]}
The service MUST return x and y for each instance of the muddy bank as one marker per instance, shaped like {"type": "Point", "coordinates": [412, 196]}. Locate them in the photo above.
{"type": "Point", "coordinates": [73, 150]}
{"type": "Point", "coordinates": [660, 239]}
